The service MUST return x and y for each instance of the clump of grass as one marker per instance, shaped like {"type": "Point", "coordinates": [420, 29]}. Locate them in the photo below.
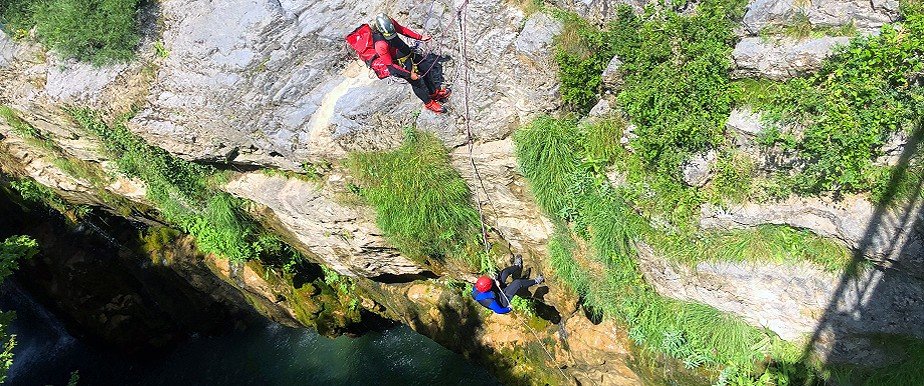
{"type": "Point", "coordinates": [547, 154]}
{"type": "Point", "coordinates": [183, 192]}
{"type": "Point", "coordinates": [422, 204]}
{"type": "Point", "coordinates": [98, 31]}
{"type": "Point", "coordinates": [733, 179]}
{"type": "Point", "coordinates": [601, 141]}
{"type": "Point", "coordinates": [756, 93]}
{"type": "Point", "coordinates": [775, 244]}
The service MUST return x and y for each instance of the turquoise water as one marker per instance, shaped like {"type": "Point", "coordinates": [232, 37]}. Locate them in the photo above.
{"type": "Point", "coordinates": [263, 355]}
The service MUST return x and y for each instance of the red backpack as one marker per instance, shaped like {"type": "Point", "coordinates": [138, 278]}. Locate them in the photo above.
{"type": "Point", "coordinates": [362, 42]}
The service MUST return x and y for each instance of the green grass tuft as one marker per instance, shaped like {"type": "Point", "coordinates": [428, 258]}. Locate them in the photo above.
{"type": "Point", "coordinates": [546, 151]}
{"type": "Point", "coordinates": [422, 204]}
{"type": "Point", "coordinates": [182, 192]}
{"type": "Point", "coordinates": [98, 31]}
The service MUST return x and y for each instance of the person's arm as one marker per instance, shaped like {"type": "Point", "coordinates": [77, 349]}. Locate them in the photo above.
{"type": "Point", "coordinates": [408, 32]}
{"type": "Point", "coordinates": [381, 48]}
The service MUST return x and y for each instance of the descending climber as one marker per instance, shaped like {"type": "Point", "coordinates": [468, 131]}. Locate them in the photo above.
{"type": "Point", "coordinates": [388, 55]}
{"type": "Point", "coordinates": [498, 299]}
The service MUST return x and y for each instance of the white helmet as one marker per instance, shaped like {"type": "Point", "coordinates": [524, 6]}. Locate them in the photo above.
{"type": "Point", "coordinates": [384, 25]}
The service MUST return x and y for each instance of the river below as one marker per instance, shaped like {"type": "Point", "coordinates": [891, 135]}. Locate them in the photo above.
{"type": "Point", "coordinates": [268, 354]}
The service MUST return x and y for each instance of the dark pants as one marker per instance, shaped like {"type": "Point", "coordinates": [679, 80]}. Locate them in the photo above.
{"type": "Point", "coordinates": [424, 86]}
{"type": "Point", "coordinates": [511, 290]}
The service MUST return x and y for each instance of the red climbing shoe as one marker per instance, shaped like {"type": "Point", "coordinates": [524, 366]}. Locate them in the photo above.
{"type": "Point", "coordinates": [435, 107]}
{"type": "Point", "coordinates": [441, 94]}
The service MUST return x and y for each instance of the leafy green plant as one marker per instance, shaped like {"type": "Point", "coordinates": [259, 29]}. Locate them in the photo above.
{"type": "Point", "coordinates": [422, 204]}
{"type": "Point", "coordinates": [600, 263]}
{"type": "Point", "coordinates": [97, 31]}
{"type": "Point", "coordinates": [676, 87]}
{"type": "Point", "coordinates": [37, 193]}
{"type": "Point", "coordinates": [582, 53]}
{"type": "Point", "coordinates": [843, 114]}
{"type": "Point", "coordinates": [523, 306]}
{"type": "Point", "coordinates": [733, 179]}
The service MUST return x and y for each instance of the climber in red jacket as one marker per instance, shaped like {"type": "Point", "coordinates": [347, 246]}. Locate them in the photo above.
{"type": "Point", "coordinates": [403, 62]}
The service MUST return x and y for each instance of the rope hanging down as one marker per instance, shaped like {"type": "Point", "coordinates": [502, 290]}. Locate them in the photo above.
{"type": "Point", "coordinates": [463, 54]}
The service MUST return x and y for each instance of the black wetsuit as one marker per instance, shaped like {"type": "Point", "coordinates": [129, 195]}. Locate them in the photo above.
{"type": "Point", "coordinates": [424, 86]}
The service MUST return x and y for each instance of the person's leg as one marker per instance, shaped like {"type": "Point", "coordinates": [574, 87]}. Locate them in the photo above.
{"type": "Point", "coordinates": [420, 90]}
{"type": "Point", "coordinates": [423, 67]}
{"type": "Point", "coordinates": [418, 86]}
{"type": "Point", "coordinates": [506, 272]}
{"type": "Point", "coordinates": [511, 290]}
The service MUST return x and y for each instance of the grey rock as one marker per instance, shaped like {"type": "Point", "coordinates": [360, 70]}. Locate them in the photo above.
{"type": "Point", "coordinates": [697, 171]}
{"type": "Point", "coordinates": [537, 36]}
{"type": "Point", "coordinates": [781, 59]}
{"type": "Point", "coordinates": [797, 301]}
{"type": "Point", "coordinates": [892, 149]}
{"type": "Point", "coordinates": [612, 77]}
{"type": "Point", "coordinates": [745, 121]}
{"type": "Point", "coordinates": [600, 11]}
{"type": "Point", "coordinates": [867, 16]}
{"type": "Point", "coordinates": [503, 193]}
{"type": "Point", "coordinates": [628, 135]}
{"type": "Point", "coordinates": [8, 49]}
{"type": "Point", "coordinates": [70, 81]}
{"type": "Point", "coordinates": [601, 109]}
{"type": "Point", "coordinates": [337, 235]}
{"type": "Point", "coordinates": [259, 80]}
{"type": "Point", "coordinates": [851, 219]}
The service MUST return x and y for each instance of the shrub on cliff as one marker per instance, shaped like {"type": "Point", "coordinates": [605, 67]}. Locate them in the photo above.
{"type": "Point", "coordinates": [864, 93]}
{"type": "Point", "coordinates": [97, 31]}
{"type": "Point", "coordinates": [184, 193]}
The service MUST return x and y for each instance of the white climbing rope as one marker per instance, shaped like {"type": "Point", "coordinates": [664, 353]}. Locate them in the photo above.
{"type": "Point", "coordinates": [463, 53]}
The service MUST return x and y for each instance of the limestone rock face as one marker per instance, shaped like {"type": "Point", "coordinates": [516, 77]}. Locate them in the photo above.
{"type": "Point", "coordinates": [274, 83]}
{"type": "Point", "coordinates": [599, 11]}
{"type": "Point", "coordinates": [745, 121]}
{"type": "Point", "coordinates": [503, 193]}
{"type": "Point", "coordinates": [340, 236]}
{"type": "Point", "coordinates": [781, 58]}
{"type": "Point", "coordinates": [698, 170]}
{"type": "Point", "coordinates": [865, 15]}
{"type": "Point", "coordinates": [853, 219]}
{"type": "Point", "coordinates": [8, 49]}
{"type": "Point", "coordinates": [842, 315]}
{"type": "Point", "coordinates": [611, 76]}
